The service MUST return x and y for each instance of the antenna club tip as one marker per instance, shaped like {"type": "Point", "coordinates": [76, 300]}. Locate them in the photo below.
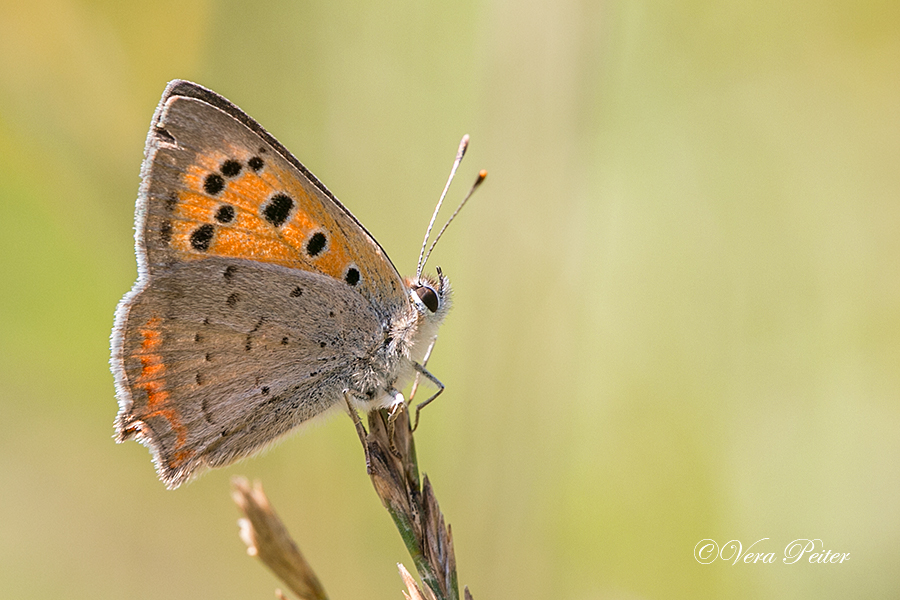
{"type": "Point", "coordinates": [463, 145]}
{"type": "Point", "coordinates": [482, 174]}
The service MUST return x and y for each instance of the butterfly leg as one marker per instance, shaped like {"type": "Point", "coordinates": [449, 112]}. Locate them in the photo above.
{"type": "Point", "coordinates": [415, 385]}
{"type": "Point", "coordinates": [360, 430]}
{"type": "Point", "coordinates": [421, 369]}
{"type": "Point", "coordinates": [394, 409]}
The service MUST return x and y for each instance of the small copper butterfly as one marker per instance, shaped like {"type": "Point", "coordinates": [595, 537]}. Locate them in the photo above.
{"type": "Point", "coordinates": [261, 302]}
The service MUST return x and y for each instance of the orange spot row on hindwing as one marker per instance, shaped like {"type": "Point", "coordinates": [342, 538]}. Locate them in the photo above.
{"type": "Point", "coordinates": [152, 381]}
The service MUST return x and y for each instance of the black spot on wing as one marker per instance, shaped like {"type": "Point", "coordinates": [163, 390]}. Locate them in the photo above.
{"type": "Point", "coordinates": [277, 210]}
{"type": "Point", "coordinates": [165, 232]}
{"type": "Point", "coordinates": [213, 184]}
{"type": "Point", "coordinates": [225, 214]}
{"type": "Point", "coordinates": [316, 243]}
{"type": "Point", "coordinates": [202, 237]}
{"type": "Point", "coordinates": [230, 168]}
{"type": "Point", "coordinates": [204, 406]}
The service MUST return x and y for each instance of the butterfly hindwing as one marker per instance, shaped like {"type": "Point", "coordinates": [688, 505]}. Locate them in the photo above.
{"type": "Point", "coordinates": [222, 356]}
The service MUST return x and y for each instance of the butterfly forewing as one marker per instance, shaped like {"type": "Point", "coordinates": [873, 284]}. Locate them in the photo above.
{"type": "Point", "coordinates": [216, 187]}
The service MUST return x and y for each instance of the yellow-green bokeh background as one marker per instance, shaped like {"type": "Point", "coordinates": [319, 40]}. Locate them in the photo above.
{"type": "Point", "coordinates": [677, 295]}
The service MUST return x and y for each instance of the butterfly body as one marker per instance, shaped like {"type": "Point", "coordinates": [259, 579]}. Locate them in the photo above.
{"type": "Point", "coordinates": [260, 302]}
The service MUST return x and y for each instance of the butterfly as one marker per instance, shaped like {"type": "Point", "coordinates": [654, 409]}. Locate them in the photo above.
{"type": "Point", "coordinates": [261, 302]}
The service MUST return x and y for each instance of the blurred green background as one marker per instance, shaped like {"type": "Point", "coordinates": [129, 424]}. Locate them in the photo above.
{"type": "Point", "coordinates": [677, 295]}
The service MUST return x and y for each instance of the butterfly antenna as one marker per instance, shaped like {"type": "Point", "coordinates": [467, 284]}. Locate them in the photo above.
{"type": "Point", "coordinates": [459, 156]}
{"type": "Point", "coordinates": [481, 175]}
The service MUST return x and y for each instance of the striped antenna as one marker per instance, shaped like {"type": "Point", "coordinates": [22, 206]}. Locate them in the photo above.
{"type": "Point", "coordinates": [423, 255]}
{"type": "Point", "coordinates": [481, 175]}
{"type": "Point", "coordinates": [459, 156]}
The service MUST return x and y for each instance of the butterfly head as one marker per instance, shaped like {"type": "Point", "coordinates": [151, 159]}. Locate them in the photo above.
{"type": "Point", "coordinates": [430, 297]}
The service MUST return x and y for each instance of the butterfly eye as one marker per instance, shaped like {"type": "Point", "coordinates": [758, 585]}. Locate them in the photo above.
{"type": "Point", "coordinates": [428, 297]}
